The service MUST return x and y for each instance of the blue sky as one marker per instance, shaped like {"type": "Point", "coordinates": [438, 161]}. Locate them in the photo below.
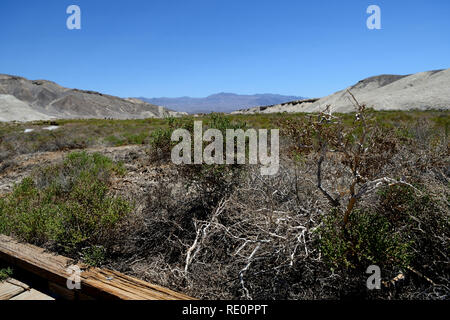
{"type": "Point", "coordinates": [156, 48]}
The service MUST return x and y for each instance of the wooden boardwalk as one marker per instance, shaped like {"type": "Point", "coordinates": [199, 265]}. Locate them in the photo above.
{"type": "Point", "coordinates": [12, 289]}
{"type": "Point", "coordinates": [95, 283]}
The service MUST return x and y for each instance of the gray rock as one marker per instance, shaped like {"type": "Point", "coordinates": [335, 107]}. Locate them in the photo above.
{"type": "Point", "coordinates": [423, 91]}
{"type": "Point", "coordinates": [28, 100]}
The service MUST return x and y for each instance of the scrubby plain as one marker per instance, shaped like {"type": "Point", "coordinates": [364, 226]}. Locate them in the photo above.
{"type": "Point", "coordinates": [353, 190]}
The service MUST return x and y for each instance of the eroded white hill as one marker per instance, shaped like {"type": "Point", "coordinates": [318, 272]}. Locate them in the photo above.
{"type": "Point", "coordinates": [425, 90]}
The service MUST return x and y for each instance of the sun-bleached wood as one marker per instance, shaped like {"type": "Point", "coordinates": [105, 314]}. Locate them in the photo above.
{"type": "Point", "coordinates": [95, 282]}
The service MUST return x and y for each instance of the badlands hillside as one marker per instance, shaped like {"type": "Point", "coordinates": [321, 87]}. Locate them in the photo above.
{"type": "Point", "coordinates": [27, 100]}
{"type": "Point", "coordinates": [423, 91]}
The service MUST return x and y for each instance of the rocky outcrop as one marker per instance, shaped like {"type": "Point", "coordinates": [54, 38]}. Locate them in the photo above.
{"type": "Point", "coordinates": [27, 100]}
{"type": "Point", "coordinates": [422, 91]}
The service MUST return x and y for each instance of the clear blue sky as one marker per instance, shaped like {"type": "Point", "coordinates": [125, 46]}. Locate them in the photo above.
{"type": "Point", "coordinates": [171, 48]}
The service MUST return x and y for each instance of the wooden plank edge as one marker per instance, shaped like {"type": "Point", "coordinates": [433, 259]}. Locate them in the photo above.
{"type": "Point", "coordinates": [38, 263]}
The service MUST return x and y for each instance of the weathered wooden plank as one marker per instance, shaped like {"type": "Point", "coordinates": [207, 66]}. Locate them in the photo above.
{"type": "Point", "coordinates": [32, 295]}
{"type": "Point", "coordinates": [9, 290]}
{"type": "Point", "coordinates": [18, 283]}
{"type": "Point", "coordinates": [96, 283]}
{"type": "Point", "coordinates": [127, 287]}
{"type": "Point", "coordinates": [34, 260]}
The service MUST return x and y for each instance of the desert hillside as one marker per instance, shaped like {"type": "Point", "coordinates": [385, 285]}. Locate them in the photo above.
{"type": "Point", "coordinates": [423, 91]}
{"type": "Point", "coordinates": [28, 100]}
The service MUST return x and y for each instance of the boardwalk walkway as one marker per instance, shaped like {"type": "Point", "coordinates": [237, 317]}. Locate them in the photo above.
{"type": "Point", "coordinates": [95, 283]}
{"type": "Point", "coordinates": [12, 289]}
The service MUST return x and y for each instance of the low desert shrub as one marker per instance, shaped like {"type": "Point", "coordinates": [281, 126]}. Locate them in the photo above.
{"type": "Point", "coordinates": [213, 180]}
{"type": "Point", "coordinates": [94, 256]}
{"type": "Point", "coordinates": [424, 220]}
{"type": "Point", "coordinates": [5, 273]}
{"type": "Point", "coordinates": [368, 239]}
{"type": "Point", "coordinates": [160, 145]}
{"type": "Point", "coordinates": [66, 206]}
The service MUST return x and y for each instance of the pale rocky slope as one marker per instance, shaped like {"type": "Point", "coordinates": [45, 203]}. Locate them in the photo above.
{"type": "Point", "coordinates": [27, 100]}
{"type": "Point", "coordinates": [425, 90]}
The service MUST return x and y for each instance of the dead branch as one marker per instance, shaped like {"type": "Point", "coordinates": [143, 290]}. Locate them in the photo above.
{"type": "Point", "coordinates": [201, 235]}
{"type": "Point", "coordinates": [241, 273]}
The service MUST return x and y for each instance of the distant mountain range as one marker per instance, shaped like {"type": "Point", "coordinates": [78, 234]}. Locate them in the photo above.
{"type": "Point", "coordinates": [423, 91]}
{"type": "Point", "coordinates": [220, 102]}
{"type": "Point", "coordinates": [27, 100]}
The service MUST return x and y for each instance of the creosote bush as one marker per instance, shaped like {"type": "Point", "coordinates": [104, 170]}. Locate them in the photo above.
{"type": "Point", "coordinates": [370, 239]}
{"type": "Point", "coordinates": [66, 206]}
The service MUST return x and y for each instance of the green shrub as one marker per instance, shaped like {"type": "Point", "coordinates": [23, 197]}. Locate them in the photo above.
{"type": "Point", "coordinates": [368, 239]}
{"type": "Point", "coordinates": [210, 181]}
{"type": "Point", "coordinates": [424, 220]}
{"type": "Point", "coordinates": [161, 144]}
{"type": "Point", "coordinates": [5, 273]}
{"type": "Point", "coordinates": [94, 256]}
{"type": "Point", "coordinates": [215, 180]}
{"type": "Point", "coordinates": [140, 138]}
{"type": "Point", "coordinates": [115, 141]}
{"type": "Point", "coordinates": [66, 205]}
{"type": "Point", "coordinates": [399, 203]}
